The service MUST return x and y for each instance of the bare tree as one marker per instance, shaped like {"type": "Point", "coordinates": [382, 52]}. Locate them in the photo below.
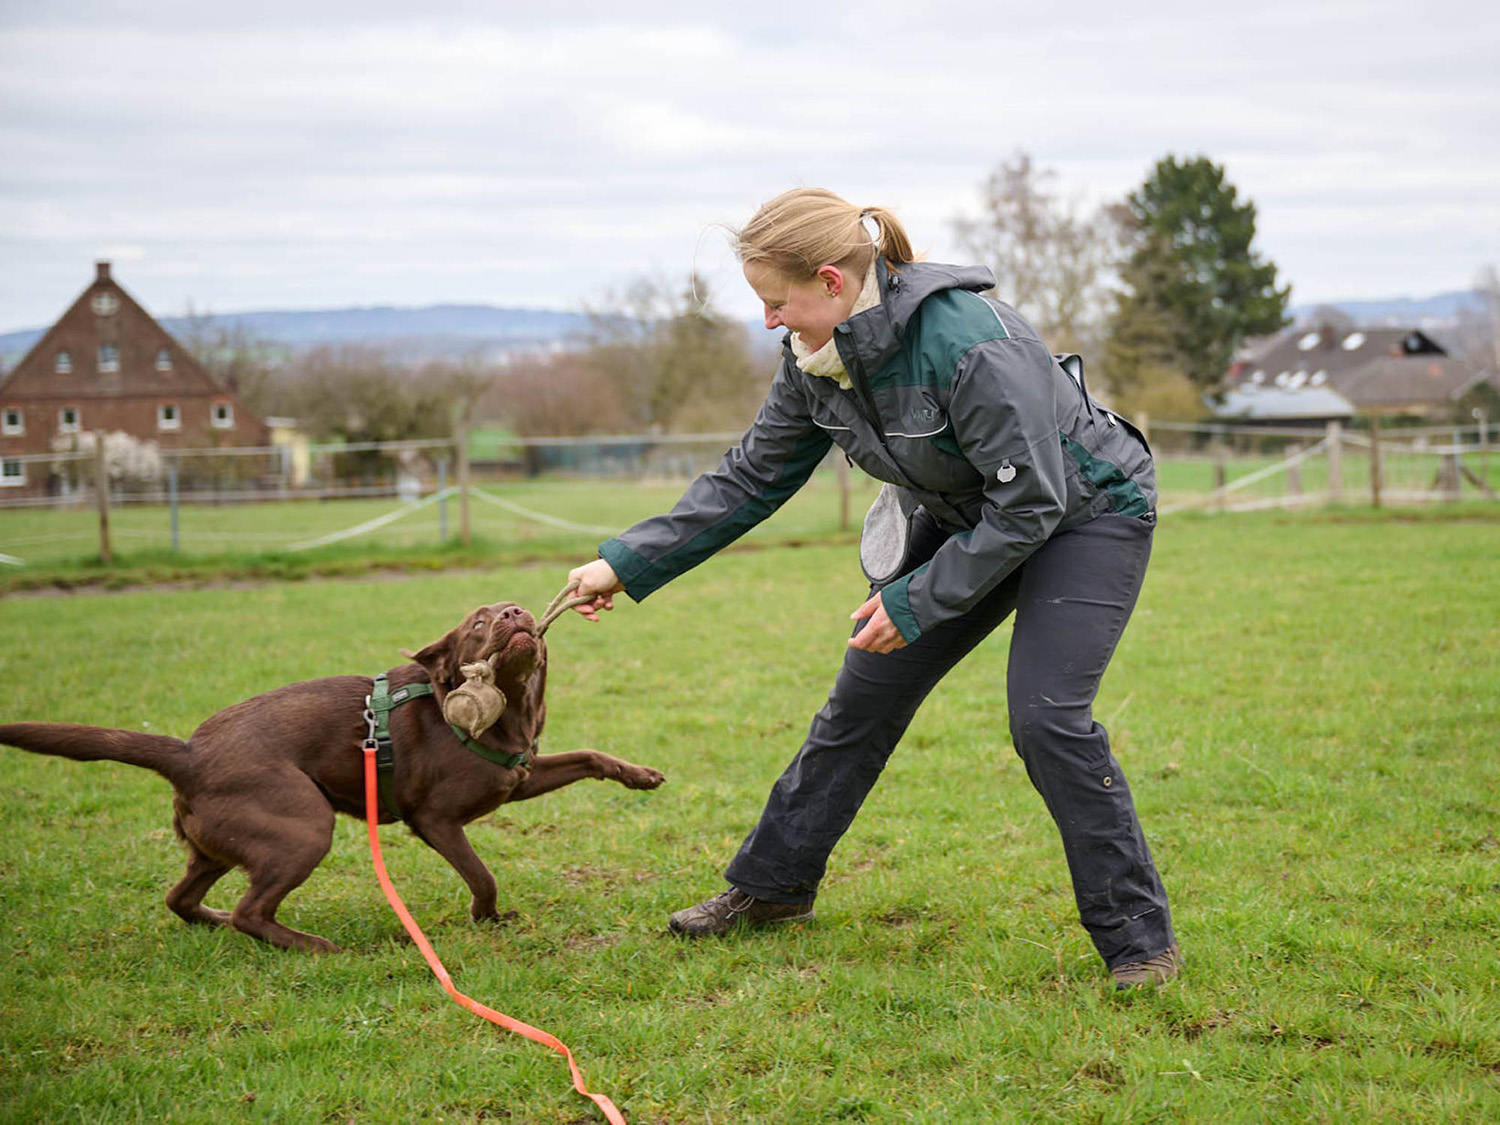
{"type": "Point", "coordinates": [556, 396]}
{"type": "Point", "coordinates": [1479, 325]}
{"type": "Point", "coordinates": [1052, 259]}
{"type": "Point", "coordinates": [241, 362]}
{"type": "Point", "coordinates": [677, 363]}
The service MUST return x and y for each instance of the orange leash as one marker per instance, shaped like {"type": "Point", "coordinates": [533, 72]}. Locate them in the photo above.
{"type": "Point", "coordinates": [372, 818]}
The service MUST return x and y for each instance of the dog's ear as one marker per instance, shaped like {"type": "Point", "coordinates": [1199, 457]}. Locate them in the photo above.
{"type": "Point", "coordinates": [439, 659]}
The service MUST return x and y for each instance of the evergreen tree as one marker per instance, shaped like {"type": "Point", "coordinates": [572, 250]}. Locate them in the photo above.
{"type": "Point", "coordinates": [1196, 285]}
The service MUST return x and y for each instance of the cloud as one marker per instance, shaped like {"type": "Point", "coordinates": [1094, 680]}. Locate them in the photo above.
{"type": "Point", "coordinates": [329, 154]}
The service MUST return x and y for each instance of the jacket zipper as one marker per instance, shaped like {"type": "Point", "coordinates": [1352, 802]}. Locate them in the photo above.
{"type": "Point", "coordinates": [865, 404]}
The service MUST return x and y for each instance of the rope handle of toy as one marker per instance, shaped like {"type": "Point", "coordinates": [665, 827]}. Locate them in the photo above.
{"type": "Point", "coordinates": [372, 819]}
{"type": "Point", "coordinates": [559, 606]}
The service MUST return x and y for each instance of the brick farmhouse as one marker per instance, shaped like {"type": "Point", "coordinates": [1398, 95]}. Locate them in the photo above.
{"type": "Point", "coordinates": [108, 366]}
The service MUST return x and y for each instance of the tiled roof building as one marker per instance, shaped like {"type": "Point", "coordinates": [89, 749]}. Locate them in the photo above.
{"type": "Point", "coordinates": [108, 366]}
{"type": "Point", "coordinates": [1367, 370]}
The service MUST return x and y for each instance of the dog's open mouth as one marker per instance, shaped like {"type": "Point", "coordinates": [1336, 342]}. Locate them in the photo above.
{"type": "Point", "coordinates": [520, 644]}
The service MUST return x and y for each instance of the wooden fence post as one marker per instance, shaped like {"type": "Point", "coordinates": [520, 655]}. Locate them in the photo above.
{"type": "Point", "coordinates": [461, 456]}
{"type": "Point", "coordinates": [101, 488]}
{"type": "Point", "coordinates": [1335, 461]}
{"type": "Point", "coordinates": [1484, 448]}
{"type": "Point", "coordinates": [1375, 467]}
{"type": "Point", "coordinates": [1219, 474]}
{"type": "Point", "coordinates": [1294, 474]}
{"type": "Point", "coordinates": [172, 501]}
{"type": "Point", "coordinates": [841, 470]}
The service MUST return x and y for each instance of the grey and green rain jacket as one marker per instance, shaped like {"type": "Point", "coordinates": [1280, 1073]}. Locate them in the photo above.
{"type": "Point", "coordinates": [956, 402]}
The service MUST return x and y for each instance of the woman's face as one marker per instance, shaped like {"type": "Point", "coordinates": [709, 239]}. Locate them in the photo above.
{"type": "Point", "coordinates": [810, 308]}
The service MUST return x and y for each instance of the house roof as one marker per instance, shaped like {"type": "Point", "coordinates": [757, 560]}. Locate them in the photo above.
{"type": "Point", "coordinates": [1379, 368]}
{"type": "Point", "coordinates": [106, 315]}
{"type": "Point", "coordinates": [1267, 404]}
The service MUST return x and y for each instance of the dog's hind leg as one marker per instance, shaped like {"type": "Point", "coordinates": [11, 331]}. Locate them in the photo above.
{"type": "Point", "coordinates": [449, 841]}
{"type": "Point", "coordinates": [186, 898]}
{"type": "Point", "coordinates": [280, 845]}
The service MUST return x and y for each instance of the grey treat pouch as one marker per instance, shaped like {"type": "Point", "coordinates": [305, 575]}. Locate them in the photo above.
{"type": "Point", "coordinates": [885, 540]}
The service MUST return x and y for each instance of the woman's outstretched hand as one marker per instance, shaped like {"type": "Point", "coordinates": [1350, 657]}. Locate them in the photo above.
{"type": "Point", "coordinates": [596, 580]}
{"type": "Point", "coordinates": [880, 633]}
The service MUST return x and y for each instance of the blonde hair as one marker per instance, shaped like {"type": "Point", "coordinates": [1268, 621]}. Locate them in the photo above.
{"type": "Point", "coordinates": [805, 228]}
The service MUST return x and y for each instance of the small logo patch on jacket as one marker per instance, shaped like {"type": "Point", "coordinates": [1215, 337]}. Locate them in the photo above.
{"type": "Point", "coordinates": [924, 414]}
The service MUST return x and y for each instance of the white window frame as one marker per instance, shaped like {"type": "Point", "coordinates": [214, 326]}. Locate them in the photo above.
{"type": "Point", "coordinates": [165, 423]}
{"type": "Point", "coordinates": [66, 427]}
{"type": "Point", "coordinates": [224, 423]}
{"type": "Point", "coordinates": [63, 363]}
{"type": "Point", "coordinates": [9, 479]}
{"type": "Point", "coordinates": [110, 364]}
{"type": "Point", "coordinates": [163, 359]}
{"type": "Point", "coordinates": [16, 428]}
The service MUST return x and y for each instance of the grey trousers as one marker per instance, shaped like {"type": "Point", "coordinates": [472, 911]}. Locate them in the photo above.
{"type": "Point", "coordinates": [1071, 600]}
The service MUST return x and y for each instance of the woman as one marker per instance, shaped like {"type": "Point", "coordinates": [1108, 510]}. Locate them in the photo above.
{"type": "Point", "coordinates": [1008, 491]}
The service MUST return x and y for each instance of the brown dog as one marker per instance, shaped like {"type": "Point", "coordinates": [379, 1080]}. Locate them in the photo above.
{"type": "Point", "coordinates": [258, 784]}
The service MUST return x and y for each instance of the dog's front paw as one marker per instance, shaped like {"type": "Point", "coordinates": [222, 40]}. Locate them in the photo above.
{"type": "Point", "coordinates": [641, 777]}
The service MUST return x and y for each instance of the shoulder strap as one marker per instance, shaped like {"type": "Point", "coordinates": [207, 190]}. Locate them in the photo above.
{"type": "Point", "coordinates": [382, 702]}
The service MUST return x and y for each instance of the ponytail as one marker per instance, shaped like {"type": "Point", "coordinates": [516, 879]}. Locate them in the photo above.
{"type": "Point", "coordinates": [806, 228]}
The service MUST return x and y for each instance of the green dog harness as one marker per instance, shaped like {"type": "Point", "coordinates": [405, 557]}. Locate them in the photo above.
{"type": "Point", "coordinates": [378, 707]}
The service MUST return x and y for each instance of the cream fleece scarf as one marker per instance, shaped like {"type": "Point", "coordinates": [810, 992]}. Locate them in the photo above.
{"type": "Point", "coordinates": [825, 361]}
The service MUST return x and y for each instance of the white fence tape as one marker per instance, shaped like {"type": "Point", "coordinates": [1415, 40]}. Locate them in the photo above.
{"type": "Point", "coordinates": [371, 525]}
{"type": "Point", "coordinates": [541, 517]}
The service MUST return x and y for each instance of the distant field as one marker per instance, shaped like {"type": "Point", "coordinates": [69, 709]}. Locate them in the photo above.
{"type": "Point", "coordinates": [587, 511]}
{"type": "Point", "coordinates": [1306, 706]}
{"type": "Point", "coordinates": [547, 517]}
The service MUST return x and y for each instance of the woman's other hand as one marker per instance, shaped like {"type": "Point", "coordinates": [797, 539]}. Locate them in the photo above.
{"type": "Point", "coordinates": [880, 633]}
{"type": "Point", "coordinates": [596, 580]}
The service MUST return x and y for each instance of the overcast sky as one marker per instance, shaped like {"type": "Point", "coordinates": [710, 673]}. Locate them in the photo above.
{"type": "Point", "coordinates": [307, 155]}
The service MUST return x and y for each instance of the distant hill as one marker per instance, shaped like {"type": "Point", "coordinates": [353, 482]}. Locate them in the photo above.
{"type": "Point", "coordinates": [450, 331]}
{"type": "Point", "coordinates": [1441, 309]}
{"type": "Point", "coordinates": [491, 332]}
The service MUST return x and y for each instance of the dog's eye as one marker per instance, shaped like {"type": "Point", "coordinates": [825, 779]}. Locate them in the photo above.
{"type": "Point", "coordinates": [479, 624]}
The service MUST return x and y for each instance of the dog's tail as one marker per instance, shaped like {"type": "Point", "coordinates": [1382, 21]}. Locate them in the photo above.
{"type": "Point", "coordinates": [167, 756]}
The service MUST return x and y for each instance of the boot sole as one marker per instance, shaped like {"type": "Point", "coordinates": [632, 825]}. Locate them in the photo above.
{"type": "Point", "coordinates": [742, 923]}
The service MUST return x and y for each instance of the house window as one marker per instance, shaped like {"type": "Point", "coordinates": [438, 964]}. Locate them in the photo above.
{"type": "Point", "coordinates": [168, 417]}
{"type": "Point", "coordinates": [67, 420]}
{"type": "Point", "coordinates": [109, 357]}
{"type": "Point", "coordinates": [12, 474]}
{"type": "Point", "coordinates": [15, 422]}
{"type": "Point", "coordinates": [222, 416]}
{"type": "Point", "coordinates": [163, 359]}
{"type": "Point", "coordinates": [64, 364]}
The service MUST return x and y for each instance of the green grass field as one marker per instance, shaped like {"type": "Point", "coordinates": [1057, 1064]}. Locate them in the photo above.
{"type": "Point", "coordinates": [1306, 706]}
{"type": "Point", "coordinates": [511, 521]}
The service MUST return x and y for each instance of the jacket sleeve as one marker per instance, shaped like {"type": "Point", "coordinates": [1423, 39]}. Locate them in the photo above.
{"type": "Point", "coordinates": [772, 461]}
{"type": "Point", "coordinates": [1004, 417]}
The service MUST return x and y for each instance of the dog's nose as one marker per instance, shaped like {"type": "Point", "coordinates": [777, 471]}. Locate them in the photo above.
{"type": "Point", "coordinates": [511, 613]}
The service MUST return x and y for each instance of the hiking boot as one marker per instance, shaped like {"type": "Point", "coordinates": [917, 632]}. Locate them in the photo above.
{"type": "Point", "coordinates": [1150, 972]}
{"type": "Point", "coordinates": [731, 908]}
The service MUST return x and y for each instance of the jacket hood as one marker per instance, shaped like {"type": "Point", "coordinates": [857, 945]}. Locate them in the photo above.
{"type": "Point", "coordinates": [875, 334]}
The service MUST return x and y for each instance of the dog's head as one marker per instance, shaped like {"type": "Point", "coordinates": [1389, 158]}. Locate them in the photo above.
{"type": "Point", "coordinates": [504, 635]}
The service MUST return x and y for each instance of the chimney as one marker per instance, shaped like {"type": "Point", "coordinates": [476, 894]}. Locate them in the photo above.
{"type": "Point", "coordinates": [103, 271]}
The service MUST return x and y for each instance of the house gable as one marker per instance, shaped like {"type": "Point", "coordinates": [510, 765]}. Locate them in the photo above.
{"type": "Point", "coordinates": [1372, 368]}
{"type": "Point", "coordinates": [145, 359]}
{"type": "Point", "coordinates": [106, 364]}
